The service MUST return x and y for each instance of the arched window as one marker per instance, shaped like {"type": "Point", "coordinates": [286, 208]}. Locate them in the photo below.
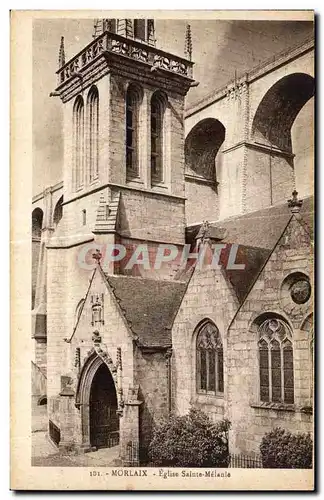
{"type": "Point", "coordinates": [157, 118]}
{"type": "Point", "coordinates": [93, 132]}
{"type": "Point", "coordinates": [78, 136]}
{"type": "Point", "coordinates": [132, 124]}
{"type": "Point", "coordinates": [276, 362]}
{"type": "Point", "coordinates": [209, 355]}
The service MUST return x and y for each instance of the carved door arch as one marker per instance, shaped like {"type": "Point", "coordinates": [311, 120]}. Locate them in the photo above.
{"type": "Point", "coordinates": [96, 398]}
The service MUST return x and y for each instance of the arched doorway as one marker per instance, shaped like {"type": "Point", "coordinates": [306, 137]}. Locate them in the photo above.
{"type": "Point", "coordinates": [104, 421]}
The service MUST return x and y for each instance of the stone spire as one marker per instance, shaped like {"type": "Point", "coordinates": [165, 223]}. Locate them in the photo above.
{"type": "Point", "coordinates": [61, 60]}
{"type": "Point", "coordinates": [294, 203]}
{"type": "Point", "coordinates": [188, 43]}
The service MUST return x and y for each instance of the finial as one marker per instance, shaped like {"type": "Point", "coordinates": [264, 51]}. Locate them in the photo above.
{"type": "Point", "coordinates": [294, 203]}
{"type": "Point", "coordinates": [97, 256]}
{"type": "Point", "coordinates": [188, 43]}
{"type": "Point", "coordinates": [203, 233]}
{"type": "Point", "coordinates": [61, 61]}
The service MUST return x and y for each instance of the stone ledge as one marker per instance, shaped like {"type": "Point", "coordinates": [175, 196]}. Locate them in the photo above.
{"type": "Point", "coordinates": [274, 406]}
{"type": "Point", "coordinates": [209, 399]}
{"type": "Point", "coordinates": [125, 187]}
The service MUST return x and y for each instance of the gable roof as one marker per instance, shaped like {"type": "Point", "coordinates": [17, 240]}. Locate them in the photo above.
{"type": "Point", "coordinates": [259, 229]}
{"type": "Point", "coordinates": [256, 235]}
{"type": "Point", "coordinates": [149, 307]}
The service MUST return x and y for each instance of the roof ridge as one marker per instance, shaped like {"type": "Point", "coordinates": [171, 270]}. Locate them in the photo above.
{"type": "Point", "coordinates": [125, 276]}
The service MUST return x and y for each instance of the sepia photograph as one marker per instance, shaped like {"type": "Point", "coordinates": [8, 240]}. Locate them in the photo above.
{"type": "Point", "coordinates": [171, 277]}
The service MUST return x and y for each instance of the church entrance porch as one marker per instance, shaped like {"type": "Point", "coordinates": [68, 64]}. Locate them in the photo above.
{"type": "Point", "coordinates": [98, 417]}
{"type": "Point", "coordinates": [104, 421]}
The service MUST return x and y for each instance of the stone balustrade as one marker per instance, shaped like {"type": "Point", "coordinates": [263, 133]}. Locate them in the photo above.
{"type": "Point", "coordinates": [112, 43]}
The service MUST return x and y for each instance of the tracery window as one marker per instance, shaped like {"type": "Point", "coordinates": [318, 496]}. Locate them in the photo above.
{"type": "Point", "coordinates": [276, 363]}
{"type": "Point", "coordinates": [209, 352]}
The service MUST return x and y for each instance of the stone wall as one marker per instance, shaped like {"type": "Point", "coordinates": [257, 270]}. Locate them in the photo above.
{"type": "Point", "coordinates": [249, 420]}
{"type": "Point", "coordinates": [151, 374]}
{"type": "Point", "coordinates": [41, 354]}
{"type": "Point", "coordinates": [38, 383]}
{"type": "Point", "coordinates": [270, 179]}
{"type": "Point", "coordinates": [304, 149]}
{"type": "Point", "coordinates": [202, 202]}
{"type": "Point", "coordinates": [35, 261]}
{"type": "Point", "coordinates": [208, 296]}
{"type": "Point", "coordinates": [167, 270]}
{"type": "Point", "coordinates": [143, 215]}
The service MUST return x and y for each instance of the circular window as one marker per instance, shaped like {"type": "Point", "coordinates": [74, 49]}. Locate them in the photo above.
{"type": "Point", "coordinates": [295, 293]}
{"type": "Point", "coordinates": [300, 291]}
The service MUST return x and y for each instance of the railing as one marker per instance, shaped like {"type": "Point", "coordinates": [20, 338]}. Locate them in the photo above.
{"type": "Point", "coordinates": [128, 47]}
{"type": "Point", "coordinates": [250, 75]}
{"type": "Point", "coordinates": [113, 439]}
{"type": "Point", "coordinates": [245, 462]}
{"type": "Point", "coordinates": [132, 455]}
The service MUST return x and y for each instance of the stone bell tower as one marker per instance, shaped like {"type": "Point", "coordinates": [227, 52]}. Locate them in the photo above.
{"type": "Point", "coordinates": [123, 133]}
{"type": "Point", "coordinates": [123, 112]}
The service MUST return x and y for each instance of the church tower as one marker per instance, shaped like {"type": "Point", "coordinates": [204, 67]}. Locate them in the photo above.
{"type": "Point", "coordinates": [123, 102]}
{"type": "Point", "coordinates": [123, 131]}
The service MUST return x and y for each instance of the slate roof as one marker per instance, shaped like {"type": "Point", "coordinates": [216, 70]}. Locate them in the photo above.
{"type": "Point", "coordinates": [149, 306]}
{"type": "Point", "coordinates": [259, 229]}
{"type": "Point", "coordinates": [256, 235]}
{"type": "Point", "coordinates": [263, 228]}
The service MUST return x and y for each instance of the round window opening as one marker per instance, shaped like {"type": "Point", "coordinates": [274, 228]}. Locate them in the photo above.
{"type": "Point", "coordinates": [300, 291]}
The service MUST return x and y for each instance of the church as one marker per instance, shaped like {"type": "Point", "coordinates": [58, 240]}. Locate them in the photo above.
{"type": "Point", "coordinates": [172, 264]}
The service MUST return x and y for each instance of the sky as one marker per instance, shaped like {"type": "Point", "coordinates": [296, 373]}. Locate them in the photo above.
{"type": "Point", "coordinates": [220, 48]}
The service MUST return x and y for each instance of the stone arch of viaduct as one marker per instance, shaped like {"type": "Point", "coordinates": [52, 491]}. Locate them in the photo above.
{"type": "Point", "coordinates": [255, 114]}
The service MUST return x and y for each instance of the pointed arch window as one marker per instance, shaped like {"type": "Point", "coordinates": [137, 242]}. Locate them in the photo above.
{"type": "Point", "coordinates": [93, 133]}
{"type": "Point", "coordinates": [78, 139]}
{"type": "Point", "coordinates": [132, 135]}
{"type": "Point", "coordinates": [209, 355]}
{"type": "Point", "coordinates": [276, 365]}
{"type": "Point", "coordinates": [157, 139]}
